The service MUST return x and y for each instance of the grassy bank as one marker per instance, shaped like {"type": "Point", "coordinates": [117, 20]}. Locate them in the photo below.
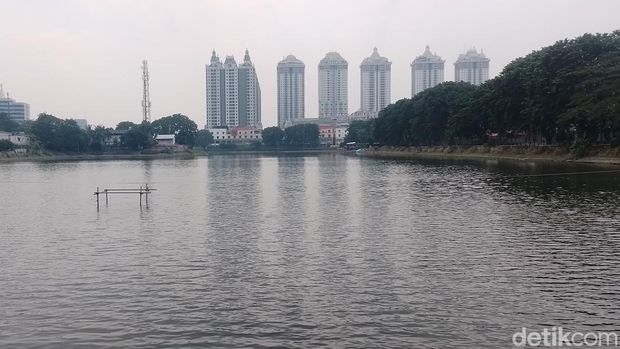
{"type": "Point", "coordinates": [269, 151]}
{"type": "Point", "coordinates": [597, 155]}
{"type": "Point", "coordinates": [11, 156]}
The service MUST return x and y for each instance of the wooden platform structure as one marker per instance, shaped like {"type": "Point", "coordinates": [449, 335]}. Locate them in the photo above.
{"type": "Point", "coordinates": [142, 191]}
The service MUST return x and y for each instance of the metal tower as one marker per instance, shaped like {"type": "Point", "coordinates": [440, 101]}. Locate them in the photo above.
{"type": "Point", "coordinates": [146, 99]}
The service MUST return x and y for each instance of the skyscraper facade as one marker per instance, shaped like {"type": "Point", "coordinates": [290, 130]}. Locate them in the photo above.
{"type": "Point", "coordinates": [233, 93]}
{"type": "Point", "coordinates": [291, 98]}
{"type": "Point", "coordinates": [375, 82]}
{"type": "Point", "coordinates": [16, 111]}
{"type": "Point", "coordinates": [426, 71]}
{"type": "Point", "coordinates": [333, 86]}
{"type": "Point", "coordinates": [472, 67]}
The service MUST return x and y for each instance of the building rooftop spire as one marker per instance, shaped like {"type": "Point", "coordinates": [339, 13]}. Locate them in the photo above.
{"type": "Point", "coordinates": [375, 58]}
{"type": "Point", "coordinates": [214, 58]}
{"type": "Point", "coordinates": [246, 58]}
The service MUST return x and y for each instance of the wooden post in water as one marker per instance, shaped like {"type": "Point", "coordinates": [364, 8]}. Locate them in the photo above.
{"type": "Point", "coordinates": [97, 193]}
{"type": "Point", "coordinates": [106, 197]}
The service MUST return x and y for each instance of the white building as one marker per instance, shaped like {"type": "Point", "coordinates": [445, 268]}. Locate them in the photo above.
{"type": "Point", "coordinates": [16, 111]}
{"type": "Point", "coordinates": [332, 135]}
{"type": "Point", "coordinates": [19, 139]}
{"type": "Point", "coordinates": [291, 99]}
{"type": "Point", "coordinates": [239, 135]}
{"type": "Point", "coordinates": [426, 72]}
{"type": "Point", "coordinates": [472, 67]}
{"type": "Point", "coordinates": [165, 140]}
{"type": "Point", "coordinates": [333, 86]}
{"type": "Point", "coordinates": [232, 93]}
{"type": "Point", "coordinates": [375, 83]}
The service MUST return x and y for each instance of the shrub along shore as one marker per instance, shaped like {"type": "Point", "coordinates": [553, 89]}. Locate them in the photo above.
{"type": "Point", "coordinates": [600, 155]}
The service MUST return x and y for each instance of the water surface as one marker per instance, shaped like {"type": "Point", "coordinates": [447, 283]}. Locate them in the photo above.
{"type": "Point", "coordinates": [304, 251]}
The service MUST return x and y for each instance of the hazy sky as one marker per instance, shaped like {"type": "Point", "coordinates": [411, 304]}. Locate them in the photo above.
{"type": "Point", "coordinates": [82, 58]}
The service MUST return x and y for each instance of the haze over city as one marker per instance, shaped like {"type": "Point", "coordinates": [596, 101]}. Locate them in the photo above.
{"type": "Point", "coordinates": [82, 59]}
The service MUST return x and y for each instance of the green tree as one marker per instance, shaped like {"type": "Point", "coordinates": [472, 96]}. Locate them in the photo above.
{"type": "Point", "coordinates": [139, 137]}
{"type": "Point", "coordinates": [46, 130]}
{"type": "Point", "coordinates": [360, 131]}
{"type": "Point", "coordinates": [59, 135]}
{"type": "Point", "coordinates": [203, 138]}
{"type": "Point", "coordinates": [97, 137]}
{"type": "Point", "coordinates": [5, 145]}
{"type": "Point", "coordinates": [304, 135]}
{"type": "Point", "coordinates": [273, 136]}
{"type": "Point", "coordinates": [125, 125]}
{"type": "Point", "coordinates": [8, 125]}
{"type": "Point", "coordinates": [178, 124]}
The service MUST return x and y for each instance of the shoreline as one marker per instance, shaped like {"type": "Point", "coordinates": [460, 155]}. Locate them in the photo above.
{"type": "Point", "coordinates": [10, 157]}
{"type": "Point", "coordinates": [606, 157]}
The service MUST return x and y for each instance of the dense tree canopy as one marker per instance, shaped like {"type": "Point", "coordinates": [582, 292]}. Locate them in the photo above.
{"type": "Point", "coordinates": [8, 125]}
{"type": "Point", "coordinates": [60, 135]}
{"type": "Point", "coordinates": [561, 94]}
{"type": "Point", "coordinates": [138, 137]}
{"type": "Point", "coordinates": [178, 124]}
{"type": "Point", "coordinates": [125, 125]}
{"type": "Point", "coordinates": [273, 136]}
{"type": "Point", "coordinates": [203, 139]}
{"type": "Point", "coordinates": [360, 132]}
{"type": "Point", "coordinates": [304, 135]}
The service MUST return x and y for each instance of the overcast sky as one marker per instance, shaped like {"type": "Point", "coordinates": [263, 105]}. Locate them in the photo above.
{"type": "Point", "coordinates": [81, 59]}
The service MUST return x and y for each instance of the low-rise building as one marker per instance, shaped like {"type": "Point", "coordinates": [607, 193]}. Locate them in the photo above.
{"type": "Point", "coordinates": [113, 139]}
{"type": "Point", "coordinates": [331, 131]}
{"type": "Point", "coordinates": [238, 135]}
{"type": "Point", "coordinates": [17, 138]}
{"type": "Point", "coordinates": [165, 140]}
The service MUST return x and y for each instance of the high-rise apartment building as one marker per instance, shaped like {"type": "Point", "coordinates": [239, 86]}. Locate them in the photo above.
{"type": "Point", "coordinates": [233, 93]}
{"type": "Point", "coordinates": [375, 82]}
{"type": "Point", "coordinates": [333, 86]}
{"type": "Point", "coordinates": [472, 67]}
{"type": "Point", "coordinates": [426, 71]}
{"type": "Point", "coordinates": [291, 99]}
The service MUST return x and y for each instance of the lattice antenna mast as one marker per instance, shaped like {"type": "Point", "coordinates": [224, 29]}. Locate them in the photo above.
{"type": "Point", "coordinates": [146, 98]}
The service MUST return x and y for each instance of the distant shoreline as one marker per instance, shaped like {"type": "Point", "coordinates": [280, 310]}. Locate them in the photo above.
{"type": "Point", "coordinates": [599, 156]}
{"type": "Point", "coordinates": [11, 156]}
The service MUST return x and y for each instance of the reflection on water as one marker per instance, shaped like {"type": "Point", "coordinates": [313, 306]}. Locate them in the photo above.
{"type": "Point", "coordinates": [308, 251]}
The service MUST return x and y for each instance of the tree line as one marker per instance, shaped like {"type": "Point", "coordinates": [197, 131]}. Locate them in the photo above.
{"type": "Point", "coordinates": [564, 94]}
{"type": "Point", "coordinates": [56, 134]}
{"type": "Point", "coordinates": [64, 135]}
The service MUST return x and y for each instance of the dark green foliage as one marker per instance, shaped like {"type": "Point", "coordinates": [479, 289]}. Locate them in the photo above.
{"type": "Point", "coordinates": [5, 145]}
{"type": "Point", "coordinates": [273, 136]}
{"type": "Point", "coordinates": [59, 135]}
{"type": "Point", "coordinates": [360, 132]}
{"type": "Point", "coordinates": [304, 135]}
{"type": "Point", "coordinates": [125, 125]}
{"type": "Point", "coordinates": [562, 94]}
{"type": "Point", "coordinates": [424, 119]}
{"type": "Point", "coordinates": [7, 124]}
{"type": "Point", "coordinates": [178, 124]}
{"type": "Point", "coordinates": [139, 137]}
{"type": "Point", "coordinates": [97, 137]}
{"type": "Point", "coordinates": [203, 138]}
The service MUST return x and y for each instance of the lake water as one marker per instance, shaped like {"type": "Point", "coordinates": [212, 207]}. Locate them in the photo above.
{"type": "Point", "coordinates": [304, 251]}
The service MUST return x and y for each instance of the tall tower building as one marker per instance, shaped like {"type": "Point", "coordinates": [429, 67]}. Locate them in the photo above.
{"type": "Point", "coordinates": [16, 111]}
{"type": "Point", "coordinates": [291, 99]}
{"type": "Point", "coordinates": [426, 72]}
{"type": "Point", "coordinates": [375, 83]}
{"type": "Point", "coordinates": [472, 67]}
{"type": "Point", "coordinates": [333, 86]}
{"type": "Point", "coordinates": [233, 93]}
